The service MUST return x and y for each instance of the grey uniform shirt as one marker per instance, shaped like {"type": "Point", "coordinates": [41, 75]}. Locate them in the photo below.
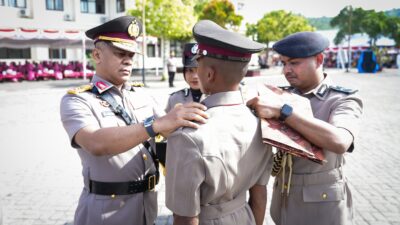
{"type": "Point", "coordinates": [182, 96]}
{"type": "Point", "coordinates": [210, 169]}
{"type": "Point", "coordinates": [319, 194]}
{"type": "Point", "coordinates": [83, 109]}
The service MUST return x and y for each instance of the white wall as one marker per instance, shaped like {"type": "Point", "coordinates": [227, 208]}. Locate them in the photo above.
{"type": "Point", "coordinates": [38, 17]}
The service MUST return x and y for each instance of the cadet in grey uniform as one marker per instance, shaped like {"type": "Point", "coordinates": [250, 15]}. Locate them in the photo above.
{"type": "Point", "coordinates": [110, 123]}
{"type": "Point", "coordinates": [209, 170]}
{"type": "Point", "coordinates": [193, 93]}
{"type": "Point", "coordinates": [315, 194]}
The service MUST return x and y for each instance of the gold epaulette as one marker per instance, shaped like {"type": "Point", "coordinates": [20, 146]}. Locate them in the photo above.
{"type": "Point", "coordinates": [137, 84]}
{"type": "Point", "coordinates": [80, 89]}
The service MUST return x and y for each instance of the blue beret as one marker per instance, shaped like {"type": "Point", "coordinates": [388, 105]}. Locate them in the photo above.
{"type": "Point", "coordinates": [301, 45]}
{"type": "Point", "coordinates": [216, 42]}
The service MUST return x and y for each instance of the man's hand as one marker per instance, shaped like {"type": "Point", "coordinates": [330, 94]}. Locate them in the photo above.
{"type": "Point", "coordinates": [182, 115]}
{"type": "Point", "coordinates": [269, 102]}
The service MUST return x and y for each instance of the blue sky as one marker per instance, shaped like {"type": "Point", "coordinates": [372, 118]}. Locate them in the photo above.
{"type": "Point", "coordinates": [253, 10]}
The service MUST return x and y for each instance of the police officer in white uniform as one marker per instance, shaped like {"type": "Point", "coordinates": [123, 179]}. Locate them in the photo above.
{"type": "Point", "coordinates": [193, 93]}
{"type": "Point", "coordinates": [209, 170]}
{"type": "Point", "coordinates": [313, 193]}
{"type": "Point", "coordinates": [110, 123]}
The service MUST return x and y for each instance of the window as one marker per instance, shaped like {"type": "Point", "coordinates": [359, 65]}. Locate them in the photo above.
{"type": "Point", "coordinates": [55, 5]}
{"type": "Point", "coordinates": [2, 2]}
{"type": "Point", "coordinates": [120, 6]}
{"type": "Point", "coordinates": [176, 47]}
{"type": "Point", "coordinates": [57, 53]}
{"type": "Point", "coordinates": [93, 6]}
{"type": "Point", "coordinates": [151, 50]}
{"type": "Point", "coordinates": [13, 53]}
{"type": "Point", "coordinates": [17, 3]}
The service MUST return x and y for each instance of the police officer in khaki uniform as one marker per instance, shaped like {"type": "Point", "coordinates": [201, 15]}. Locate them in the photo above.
{"type": "Point", "coordinates": [209, 170]}
{"type": "Point", "coordinates": [110, 123]}
{"type": "Point", "coordinates": [314, 193]}
{"type": "Point", "coordinates": [193, 93]}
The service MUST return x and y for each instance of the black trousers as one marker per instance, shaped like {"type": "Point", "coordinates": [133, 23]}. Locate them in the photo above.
{"type": "Point", "coordinates": [171, 76]}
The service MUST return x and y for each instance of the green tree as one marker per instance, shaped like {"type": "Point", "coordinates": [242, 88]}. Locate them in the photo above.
{"type": "Point", "coordinates": [348, 21]}
{"type": "Point", "coordinates": [277, 25]}
{"type": "Point", "coordinates": [375, 25]}
{"type": "Point", "coordinates": [169, 19]}
{"type": "Point", "coordinates": [221, 12]}
{"type": "Point", "coordinates": [393, 29]}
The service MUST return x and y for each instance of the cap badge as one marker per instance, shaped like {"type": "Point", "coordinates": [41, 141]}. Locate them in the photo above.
{"type": "Point", "coordinates": [194, 49]}
{"type": "Point", "coordinates": [133, 29]}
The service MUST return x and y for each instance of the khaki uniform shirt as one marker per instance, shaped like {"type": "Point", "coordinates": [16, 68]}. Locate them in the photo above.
{"type": "Point", "coordinates": [182, 96]}
{"type": "Point", "coordinates": [209, 169]}
{"type": "Point", "coordinates": [319, 194]}
{"type": "Point", "coordinates": [84, 109]}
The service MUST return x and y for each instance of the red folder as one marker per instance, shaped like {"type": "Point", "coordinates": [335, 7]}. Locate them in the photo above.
{"type": "Point", "coordinates": [278, 134]}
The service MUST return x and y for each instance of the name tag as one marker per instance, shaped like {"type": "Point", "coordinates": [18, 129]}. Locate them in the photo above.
{"type": "Point", "coordinates": [107, 113]}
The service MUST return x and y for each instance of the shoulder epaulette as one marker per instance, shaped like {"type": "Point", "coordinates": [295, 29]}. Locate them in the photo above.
{"type": "Point", "coordinates": [343, 90]}
{"type": "Point", "coordinates": [185, 92]}
{"type": "Point", "coordinates": [80, 89]}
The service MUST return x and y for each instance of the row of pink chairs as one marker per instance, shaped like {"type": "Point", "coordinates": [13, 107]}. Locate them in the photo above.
{"type": "Point", "coordinates": [42, 71]}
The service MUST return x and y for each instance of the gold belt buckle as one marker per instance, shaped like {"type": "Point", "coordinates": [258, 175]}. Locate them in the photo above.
{"type": "Point", "coordinates": [152, 182]}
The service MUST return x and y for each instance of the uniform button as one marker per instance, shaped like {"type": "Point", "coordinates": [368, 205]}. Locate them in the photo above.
{"type": "Point", "coordinates": [144, 156]}
{"type": "Point", "coordinates": [285, 186]}
{"type": "Point", "coordinates": [324, 196]}
{"type": "Point", "coordinates": [112, 196]}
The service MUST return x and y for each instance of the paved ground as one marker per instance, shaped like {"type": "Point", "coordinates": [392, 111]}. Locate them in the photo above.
{"type": "Point", "coordinates": [40, 177]}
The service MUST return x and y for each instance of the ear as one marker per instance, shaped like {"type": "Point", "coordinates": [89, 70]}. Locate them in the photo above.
{"type": "Point", "coordinates": [211, 74]}
{"type": "Point", "coordinates": [320, 59]}
{"type": "Point", "coordinates": [96, 55]}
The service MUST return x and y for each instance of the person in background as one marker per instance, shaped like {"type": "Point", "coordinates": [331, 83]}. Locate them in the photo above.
{"type": "Point", "coordinates": [193, 93]}
{"type": "Point", "coordinates": [312, 193]}
{"type": "Point", "coordinates": [112, 124]}
{"type": "Point", "coordinates": [171, 66]}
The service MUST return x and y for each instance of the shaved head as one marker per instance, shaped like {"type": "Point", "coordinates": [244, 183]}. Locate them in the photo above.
{"type": "Point", "coordinates": [230, 72]}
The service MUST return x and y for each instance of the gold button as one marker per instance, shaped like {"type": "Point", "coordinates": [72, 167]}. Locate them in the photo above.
{"type": "Point", "coordinates": [285, 186]}
{"type": "Point", "coordinates": [324, 196]}
{"type": "Point", "coordinates": [144, 156]}
{"type": "Point", "coordinates": [112, 196]}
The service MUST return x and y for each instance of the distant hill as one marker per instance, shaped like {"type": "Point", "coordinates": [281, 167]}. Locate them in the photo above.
{"type": "Point", "coordinates": [323, 23]}
{"type": "Point", "coordinates": [393, 12]}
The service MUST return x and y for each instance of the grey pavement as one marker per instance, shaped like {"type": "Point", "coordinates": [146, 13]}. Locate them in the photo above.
{"type": "Point", "coordinates": [40, 174]}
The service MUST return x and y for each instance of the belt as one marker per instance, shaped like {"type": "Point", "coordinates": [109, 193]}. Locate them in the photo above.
{"type": "Point", "coordinates": [124, 188]}
{"type": "Point", "coordinates": [219, 210]}
{"type": "Point", "coordinates": [325, 177]}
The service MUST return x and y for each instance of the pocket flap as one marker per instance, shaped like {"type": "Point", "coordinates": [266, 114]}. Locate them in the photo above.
{"type": "Point", "coordinates": [324, 192]}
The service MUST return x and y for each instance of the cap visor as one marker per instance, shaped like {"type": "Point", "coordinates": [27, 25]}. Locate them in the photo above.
{"type": "Point", "coordinates": [126, 47]}
{"type": "Point", "coordinates": [195, 57]}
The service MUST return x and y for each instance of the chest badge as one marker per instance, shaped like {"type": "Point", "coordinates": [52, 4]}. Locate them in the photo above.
{"type": "Point", "coordinates": [104, 103]}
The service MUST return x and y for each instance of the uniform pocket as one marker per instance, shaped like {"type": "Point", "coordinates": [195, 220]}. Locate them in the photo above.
{"type": "Point", "coordinates": [324, 192]}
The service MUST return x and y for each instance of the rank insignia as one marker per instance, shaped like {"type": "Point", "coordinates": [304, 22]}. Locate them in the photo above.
{"type": "Point", "coordinates": [134, 29]}
{"type": "Point", "coordinates": [80, 89]}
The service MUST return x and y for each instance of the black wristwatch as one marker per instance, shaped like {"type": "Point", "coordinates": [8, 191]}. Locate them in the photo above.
{"type": "Point", "coordinates": [286, 111]}
{"type": "Point", "coordinates": [148, 125]}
